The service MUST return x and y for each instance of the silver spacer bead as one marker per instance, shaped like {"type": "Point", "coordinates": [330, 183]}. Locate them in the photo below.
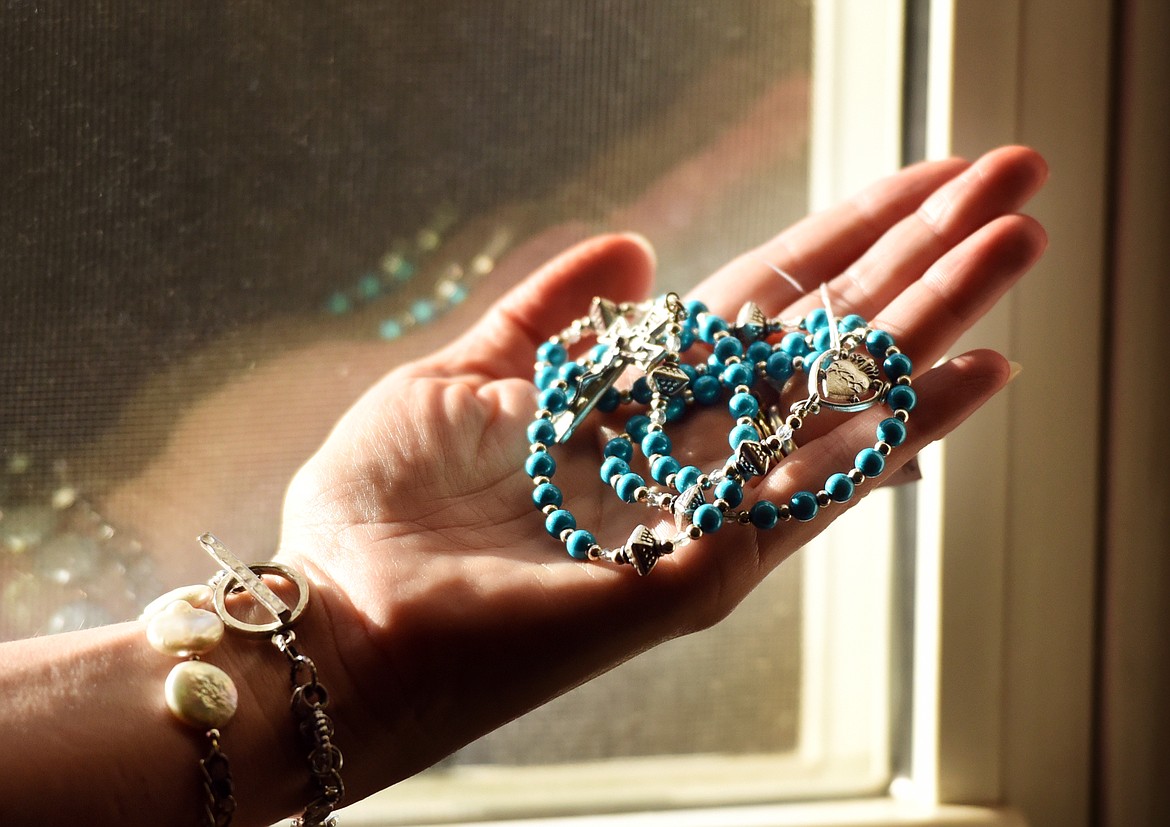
{"type": "Point", "coordinates": [694, 532]}
{"type": "Point", "coordinates": [537, 447]}
{"type": "Point", "coordinates": [883, 448]}
{"type": "Point", "coordinates": [541, 480]}
{"type": "Point", "coordinates": [902, 414]}
{"type": "Point", "coordinates": [856, 476]}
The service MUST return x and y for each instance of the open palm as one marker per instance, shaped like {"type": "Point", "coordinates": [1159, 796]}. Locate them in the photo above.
{"type": "Point", "coordinates": [453, 611]}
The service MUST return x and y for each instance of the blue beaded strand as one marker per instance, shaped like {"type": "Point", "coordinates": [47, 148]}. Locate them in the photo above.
{"type": "Point", "coordinates": [740, 357]}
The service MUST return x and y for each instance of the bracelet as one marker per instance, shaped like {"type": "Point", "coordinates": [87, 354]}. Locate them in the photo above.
{"type": "Point", "coordinates": [199, 694]}
{"type": "Point", "coordinates": [837, 355]}
{"type": "Point", "coordinates": [189, 622]}
{"type": "Point", "coordinates": [309, 696]}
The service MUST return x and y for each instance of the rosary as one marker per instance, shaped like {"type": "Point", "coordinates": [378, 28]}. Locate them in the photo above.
{"type": "Point", "coordinates": [686, 356]}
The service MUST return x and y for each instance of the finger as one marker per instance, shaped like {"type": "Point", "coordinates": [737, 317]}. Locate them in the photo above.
{"type": "Point", "coordinates": [503, 342]}
{"type": "Point", "coordinates": [931, 314]}
{"type": "Point", "coordinates": [947, 395]}
{"type": "Point", "coordinates": [999, 183]}
{"type": "Point", "coordinates": [822, 245]}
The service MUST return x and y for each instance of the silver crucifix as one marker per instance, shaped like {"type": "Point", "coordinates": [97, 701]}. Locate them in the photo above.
{"type": "Point", "coordinates": [644, 342]}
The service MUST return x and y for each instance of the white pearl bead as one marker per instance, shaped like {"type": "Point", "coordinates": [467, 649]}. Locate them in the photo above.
{"type": "Point", "coordinates": [200, 596]}
{"type": "Point", "coordinates": [181, 630]}
{"type": "Point", "coordinates": [201, 694]}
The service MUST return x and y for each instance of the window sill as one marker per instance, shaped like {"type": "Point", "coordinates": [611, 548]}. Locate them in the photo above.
{"type": "Point", "coordinates": [876, 812]}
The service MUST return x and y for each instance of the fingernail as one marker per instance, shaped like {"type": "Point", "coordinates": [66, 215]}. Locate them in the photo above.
{"type": "Point", "coordinates": [1016, 367]}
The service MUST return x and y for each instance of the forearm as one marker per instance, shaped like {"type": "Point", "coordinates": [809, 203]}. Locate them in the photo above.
{"type": "Point", "coordinates": [89, 739]}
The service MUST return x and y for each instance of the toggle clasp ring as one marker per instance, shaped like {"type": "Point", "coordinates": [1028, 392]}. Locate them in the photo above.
{"type": "Point", "coordinates": [237, 577]}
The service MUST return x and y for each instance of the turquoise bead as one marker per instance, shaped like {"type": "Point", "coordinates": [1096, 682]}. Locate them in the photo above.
{"type": "Point", "coordinates": [547, 494]}
{"type": "Point", "coordinates": [727, 347]}
{"type": "Point", "coordinates": [892, 431]}
{"type": "Point", "coordinates": [897, 365]}
{"type": "Point", "coordinates": [758, 352]}
{"type": "Point", "coordinates": [709, 325]}
{"type": "Point", "coordinates": [676, 406]}
{"type": "Point", "coordinates": [764, 514]}
{"type": "Point", "coordinates": [558, 521]}
{"type": "Point", "coordinates": [706, 390]}
{"type": "Point", "coordinates": [870, 462]}
{"type": "Point", "coordinates": [579, 543]}
{"type": "Point", "coordinates": [794, 344]}
{"type": "Point", "coordinates": [663, 467]}
{"type": "Point", "coordinates": [553, 353]}
{"type": "Point", "coordinates": [737, 374]}
{"type": "Point", "coordinates": [839, 488]}
{"type": "Point", "coordinates": [597, 351]}
{"type": "Point", "coordinates": [570, 371]}
{"type": "Point", "coordinates": [901, 398]}
{"type": "Point", "coordinates": [609, 401]}
{"type": "Point", "coordinates": [694, 308]}
{"type": "Point", "coordinates": [540, 464]}
{"type": "Point", "coordinates": [541, 430]}
{"type": "Point", "coordinates": [637, 426]}
{"type": "Point", "coordinates": [687, 476]}
{"type": "Point", "coordinates": [390, 329]}
{"type": "Point", "coordinates": [553, 399]}
{"type": "Point", "coordinates": [742, 433]}
{"type": "Point", "coordinates": [730, 491]}
{"type": "Point", "coordinates": [823, 339]}
{"type": "Point", "coordinates": [803, 505]}
{"type": "Point", "coordinates": [641, 392]}
{"type": "Point", "coordinates": [627, 486]}
{"type": "Point", "coordinates": [707, 517]}
{"type": "Point", "coordinates": [850, 323]}
{"type": "Point", "coordinates": [816, 320]}
{"type": "Point", "coordinates": [877, 342]}
{"type": "Point", "coordinates": [656, 442]}
{"type": "Point", "coordinates": [544, 377]}
{"type": "Point", "coordinates": [619, 447]}
{"type": "Point", "coordinates": [613, 467]}
{"type": "Point", "coordinates": [779, 366]}
{"type": "Point", "coordinates": [743, 404]}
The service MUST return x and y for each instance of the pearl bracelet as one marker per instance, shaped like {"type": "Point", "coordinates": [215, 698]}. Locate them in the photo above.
{"type": "Point", "coordinates": [190, 621]}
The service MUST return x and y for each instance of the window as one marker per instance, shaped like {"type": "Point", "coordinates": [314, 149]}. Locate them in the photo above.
{"type": "Point", "coordinates": [206, 208]}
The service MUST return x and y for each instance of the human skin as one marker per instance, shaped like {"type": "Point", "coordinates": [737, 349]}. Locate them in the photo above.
{"type": "Point", "coordinates": [441, 609]}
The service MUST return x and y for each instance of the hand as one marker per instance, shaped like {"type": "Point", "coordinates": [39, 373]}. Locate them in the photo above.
{"type": "Point", "coordinates": [452, 610]}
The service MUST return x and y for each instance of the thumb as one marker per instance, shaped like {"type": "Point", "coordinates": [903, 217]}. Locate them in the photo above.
{"type": "Point", "coordinates": [502, 343]}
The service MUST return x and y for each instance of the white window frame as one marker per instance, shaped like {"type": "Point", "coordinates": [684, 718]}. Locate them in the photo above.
{"type": "Point", "coordinates": [1003, 676]}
